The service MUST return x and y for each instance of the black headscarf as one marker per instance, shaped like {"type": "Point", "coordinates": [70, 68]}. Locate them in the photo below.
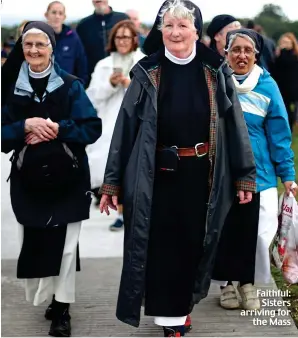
{"type": "Point", "coordinates": [216, 25]}
{"type": "Point", "coordinates": [256, 37]}
{"type": "Point", "coordinates": [11, 68]}
{"type": "Point", "coordinates": [154, 40]}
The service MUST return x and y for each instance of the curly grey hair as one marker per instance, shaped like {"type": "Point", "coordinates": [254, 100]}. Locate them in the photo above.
{"type": "Point", "coordinates": [178, 10]}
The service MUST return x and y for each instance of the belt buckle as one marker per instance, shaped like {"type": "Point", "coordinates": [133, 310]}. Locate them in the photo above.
{"type": "Point", "coordinates": [197, 151]}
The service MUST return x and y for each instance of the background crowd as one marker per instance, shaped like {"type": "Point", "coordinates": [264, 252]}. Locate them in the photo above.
{"type": "Point", "coordinates": [78, 53]}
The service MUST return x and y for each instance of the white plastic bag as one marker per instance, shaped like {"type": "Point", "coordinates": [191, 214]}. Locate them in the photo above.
{"type": "Point", "coordinates": [285, 246]}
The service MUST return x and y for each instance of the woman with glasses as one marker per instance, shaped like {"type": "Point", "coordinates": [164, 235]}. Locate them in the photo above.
{"type": "Point", "coordinates": [47, 120]}
{"type": "Point", "coordinates": [69, 52]}
{"type": "Point", "coordinates": [243, 252]}
{"type": "Point", "coordinates": [108, 85]}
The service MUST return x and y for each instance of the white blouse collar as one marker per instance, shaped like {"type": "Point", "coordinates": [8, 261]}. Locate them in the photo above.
{"type": "Point", "coordinates": [179, 61]}
{"type": "Point", "coordinates": [42, 74]}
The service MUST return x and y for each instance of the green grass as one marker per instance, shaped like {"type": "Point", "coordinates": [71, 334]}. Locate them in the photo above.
{"type": "Point", "coordinates": [280, 282]}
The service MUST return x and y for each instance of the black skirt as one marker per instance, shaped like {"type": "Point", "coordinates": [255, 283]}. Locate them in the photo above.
{"type": "Point", "coordinates": [235, 258]}
{"type": "Point", "coordinates": [176, 237]}
{"type": "Point", "coordinates": [42, 251]}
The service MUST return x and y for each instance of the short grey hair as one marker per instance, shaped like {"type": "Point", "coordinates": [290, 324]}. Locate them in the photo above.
{"type": "Point", "coordinates": [37, 31]}
{"type": "Point", "coordinates": [233, 37]}
{"type": "Point", "coordinates": [178, 10]}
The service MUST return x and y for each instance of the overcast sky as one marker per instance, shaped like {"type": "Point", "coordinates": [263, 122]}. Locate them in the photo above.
{"type": "Point", "coordinates": [14, 11]}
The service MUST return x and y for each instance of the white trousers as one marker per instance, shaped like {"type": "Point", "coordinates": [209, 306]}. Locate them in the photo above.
{"type": "Point", "coordinates": [267, 227]}
{"type": "Point", "coordinates": [38, 290]}
{"type": "Point", "coordinates": [268, 224]}
{"type": "Point", "coordinates": [170, 321]}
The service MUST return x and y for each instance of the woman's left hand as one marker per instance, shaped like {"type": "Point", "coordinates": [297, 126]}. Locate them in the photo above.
{"type": "Point", "coordinates": [290, 186]}
{"type": "Point", "coordinates": [244, 196]}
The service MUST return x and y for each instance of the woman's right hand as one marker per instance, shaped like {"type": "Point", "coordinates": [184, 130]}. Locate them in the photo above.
{"type": "Point", "coordinates": [116, 78]}
{"type": "Point", "coordinates": [106, 202]}
{"type": "Point", "coordinates": [41, 128]}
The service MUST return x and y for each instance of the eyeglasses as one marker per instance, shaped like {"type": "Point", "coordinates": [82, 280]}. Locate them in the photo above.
{"type": "Point", "coordinates": [123, 38]}
{"type": "Point", "coordinates": [38, 45]}
{"type": "Point", "coordinates": [249, 52]}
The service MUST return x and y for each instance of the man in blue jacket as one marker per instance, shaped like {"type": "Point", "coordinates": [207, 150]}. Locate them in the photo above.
{"type": "Point", "coordinates": [94, 31]}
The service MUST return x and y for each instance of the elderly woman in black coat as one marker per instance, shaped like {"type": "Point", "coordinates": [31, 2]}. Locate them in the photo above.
{"type": "Point", "coordinates": [47, 120]}
{"type": "Point", "coordinates": [179, 154]}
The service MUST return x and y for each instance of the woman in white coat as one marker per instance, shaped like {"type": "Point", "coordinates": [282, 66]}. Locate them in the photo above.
{"type": "Point", "coordinates": [106, 91]}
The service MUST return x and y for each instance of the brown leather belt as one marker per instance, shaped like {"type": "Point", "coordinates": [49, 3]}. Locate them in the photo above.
{"type": "Point", "coordinates": [199, 150]}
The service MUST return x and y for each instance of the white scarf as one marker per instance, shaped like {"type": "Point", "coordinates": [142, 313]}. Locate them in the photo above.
{"type": "Point", "coordinates": [250, 82]}
{"type": "Point", "coordinates": [123, 61]}
{"type": "Point", "coordinates": [179, 61]}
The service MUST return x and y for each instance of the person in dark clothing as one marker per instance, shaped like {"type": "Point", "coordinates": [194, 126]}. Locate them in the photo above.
{"type": "Point", "coordinates": [6, 49]}
{"type": "Point", "coordinates": [285, 73]}
{"type": "Point", "coordinates": [218, 29]}
{"type": "Point", "coordinates": [170, 137]}
{"type": "Point", "coordinates": [69, 52]}
{"type": "Point", "coordinates": [268, 56]}
{"type": "Point", "coordinates": [94, 31]}
{"type": "Point", "coordinates": [47, 120]}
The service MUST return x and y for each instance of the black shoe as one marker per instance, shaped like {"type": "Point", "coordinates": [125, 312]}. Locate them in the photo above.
{"type": "Point", "coordinates": [49, 311]}
{"type": "Point", "coordinates": [60, 326]}
{"type": "Point", "coordinates": [118, 225]}
{"type": "Point", "coordinates": [173, 331]}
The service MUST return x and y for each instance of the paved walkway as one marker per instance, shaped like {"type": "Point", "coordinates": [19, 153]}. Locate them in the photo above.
{"type": "Point", "coordinates": [93, 315]}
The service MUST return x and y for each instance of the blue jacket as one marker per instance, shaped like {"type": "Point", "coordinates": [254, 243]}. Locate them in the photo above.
{"type": "Point", "coordinates": [70, 53]}
{"type": "Point", "coordinates": [69, 106]}
{"type": "Point", "coordinates": [94, 32]}
{"type": "Point", "coordinates": [269, 131]}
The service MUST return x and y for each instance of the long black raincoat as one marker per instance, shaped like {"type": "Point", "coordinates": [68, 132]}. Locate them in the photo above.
{"type": "Point", "coordinates": [131, 162]}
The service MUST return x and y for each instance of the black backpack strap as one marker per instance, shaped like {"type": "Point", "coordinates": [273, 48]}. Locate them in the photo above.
{"type": "Point", "coordinates": [68, 81]}
{"type": "Point", "coordinates": [13, 160]}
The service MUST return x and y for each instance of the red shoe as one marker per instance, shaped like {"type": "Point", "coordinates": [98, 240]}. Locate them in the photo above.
{"type": "Point", "coordinates": [187, 324]}
{"type": "Point", "coordinates": [173, 331]}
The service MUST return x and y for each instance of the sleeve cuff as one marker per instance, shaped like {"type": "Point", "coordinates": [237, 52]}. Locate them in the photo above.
{"type": "Point", "coordinates": [110, 189]}
{"type": "Point", "coordinates": [246, 186]}
{"type": "Point", "coordinates": [288, 178]}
